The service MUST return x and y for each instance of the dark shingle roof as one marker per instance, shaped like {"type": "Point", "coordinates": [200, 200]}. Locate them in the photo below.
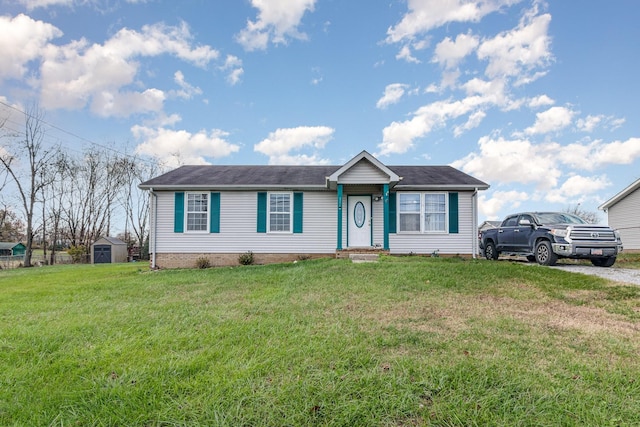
{"type": "Point", "coordinates": [299, 176]}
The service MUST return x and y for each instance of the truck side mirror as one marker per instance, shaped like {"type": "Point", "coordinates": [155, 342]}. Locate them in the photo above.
{"type": "Point", "coordinates": [524, 222]}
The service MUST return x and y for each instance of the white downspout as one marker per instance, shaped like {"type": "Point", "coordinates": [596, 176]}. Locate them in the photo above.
{"type": "Point", "coordinates": [155, 226]}
{"type": "Point", "coordinates": [474, 234]}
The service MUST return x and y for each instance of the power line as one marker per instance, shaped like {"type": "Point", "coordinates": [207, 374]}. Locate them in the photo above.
{"type": "Point", "coordinates": [81, 138]}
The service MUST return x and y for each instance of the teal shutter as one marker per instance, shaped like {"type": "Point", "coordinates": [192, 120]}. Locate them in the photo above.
{"type": "Point", "coordinates": [297, 212]}
{"type": "Point", "coordinates": [453, 213]}
{"type": "Point", "coordinates": [214, 215]}
{"type": "Point", "coordinates": [262, 213]}
{"type": "Point", "coordinates": [178, 213]}
{"type": "Point", "coordinates": [393, 217]}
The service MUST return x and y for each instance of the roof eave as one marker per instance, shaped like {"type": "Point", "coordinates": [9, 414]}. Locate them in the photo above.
{"type": "Point", "coordinates": [621, 195]}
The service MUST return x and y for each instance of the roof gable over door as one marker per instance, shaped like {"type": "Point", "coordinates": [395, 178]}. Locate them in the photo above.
{"type": "Point", "coordinates": [364, 169]}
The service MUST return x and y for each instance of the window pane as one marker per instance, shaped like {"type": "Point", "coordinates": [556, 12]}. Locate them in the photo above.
{"type": "Point", "coordinates": [197, 221]}
{"type": "Point", "coordinates": [280, 222]}
{"type": "Point", "coordinates": [409, 222]}
{"type": "Point", "coordinates": [197, 202]}
{"type": "Point", "coordinates": [409, 203]}
{"type": "Point", "coordinates": [434, 222]}
{"type": "Point", "coordinates": [434, 203]}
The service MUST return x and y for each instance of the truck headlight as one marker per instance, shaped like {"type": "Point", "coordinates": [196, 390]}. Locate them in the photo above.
{"type": "Point", "coordinates": [559, 232]}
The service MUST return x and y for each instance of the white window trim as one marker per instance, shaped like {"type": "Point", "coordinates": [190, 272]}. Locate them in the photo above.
{"type": "Point", "coordinates": [186, 212]}
{"type": "Point", "coordinates": [423, 213]}
{"type": "Point", "coordinates": [269, 231]}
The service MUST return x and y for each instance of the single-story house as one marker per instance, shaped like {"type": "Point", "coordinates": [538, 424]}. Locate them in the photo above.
{"type": "Point", "coordinates": [622, 214]}
{"type": "Point", "coordinates": [12, 249]}
{"type": "Point", "coordinates": [107, 250]}
{"type": "Point", "coordinates": [487, 225]}
{"type": "Point", "coordinates": [280, 213]}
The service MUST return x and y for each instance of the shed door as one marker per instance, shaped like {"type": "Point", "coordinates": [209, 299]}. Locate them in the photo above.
{"type": "Point", "coordinates": [101, 254]}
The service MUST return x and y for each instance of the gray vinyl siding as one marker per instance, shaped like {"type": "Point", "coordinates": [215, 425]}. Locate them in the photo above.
{"type": "Point", "coordinates": [624, 217]}
{"type": "Point", "coordinates": [238, 217]}
{"type": "Point", "coordinates": [363, 171]}
{"type": "Point", "coordinates": [445, 243]}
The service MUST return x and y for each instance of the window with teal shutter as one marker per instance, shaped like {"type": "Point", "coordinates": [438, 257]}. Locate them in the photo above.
{"type": "Point", "coordinates": [392, 212]}
{"type": "Point", "coordinates": [297, 212]}
{"type": "Point", "coordinates": [214, 218]}
{"type": "Point", "coordinates": [453, 213]}
{"type": "Point", "coordinates": [262, 213]}
{"type": "Point", "coordinates": [178, 213]}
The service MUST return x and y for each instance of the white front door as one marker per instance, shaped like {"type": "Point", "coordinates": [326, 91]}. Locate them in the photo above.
{"type": "Point", "coordinates": [359, 223]}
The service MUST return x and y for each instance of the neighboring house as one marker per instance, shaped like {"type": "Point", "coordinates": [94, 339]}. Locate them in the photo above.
{"type": "Point", "coordinates": [12, 249]}
{"type": "Point", "coordinates": [283, 212]}
{"type": "Point", "coordinates": [488, 225]}
{"type": "Point", "coordinates": [622, 214]}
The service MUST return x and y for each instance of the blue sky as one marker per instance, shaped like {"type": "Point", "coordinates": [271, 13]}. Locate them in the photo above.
{"type": "Point", "coordinates": [538, 99]}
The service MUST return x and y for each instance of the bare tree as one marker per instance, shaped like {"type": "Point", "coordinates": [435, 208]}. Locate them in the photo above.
{"type": "Point", "coordinates": [94, 182]}
{"type": "Point", "coordinates": [590, 217]}
{"type": "Point", "coordinates": [11, 228]}
{"type": "Point", "coordinates": [25, 163]}
{"type": "Point", "coordinates": [54, 195]}
{"type": "Point", "coordinates": [135, 201]}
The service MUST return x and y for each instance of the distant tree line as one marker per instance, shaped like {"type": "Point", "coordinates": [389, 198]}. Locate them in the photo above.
{"type": "Point", "coordinates": [60, 199]}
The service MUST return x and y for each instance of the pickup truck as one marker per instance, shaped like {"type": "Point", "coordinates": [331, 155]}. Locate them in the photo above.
{"type": "Point", "coordinates": [545, 237]}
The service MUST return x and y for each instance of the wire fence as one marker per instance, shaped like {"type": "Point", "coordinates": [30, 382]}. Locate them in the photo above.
{"type": "Point", "coordinates": [16, 261]}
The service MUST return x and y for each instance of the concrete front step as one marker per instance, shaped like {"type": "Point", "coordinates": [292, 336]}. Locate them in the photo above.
{"type": "Point", "coordinates": [356, 257]}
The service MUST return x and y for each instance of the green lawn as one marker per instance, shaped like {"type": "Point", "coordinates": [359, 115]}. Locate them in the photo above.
{"type": "Point", "coordinates": [403, 342]}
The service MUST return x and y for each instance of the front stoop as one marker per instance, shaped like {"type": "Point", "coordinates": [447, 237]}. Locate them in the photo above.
{"type": "Point", "coordinates": [361, 254]}
{"type": "Point", "coordinates": [363, 257]}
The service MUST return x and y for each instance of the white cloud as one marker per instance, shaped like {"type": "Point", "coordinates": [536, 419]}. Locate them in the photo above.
{"type": "Point", "coordinates": [424, 15]}
{"type": "Point", "coordinates": [406, 55]}
{"type": "Point", "coordinates": [399, 137]}
{"type": "Point", "coordinates": [501, 161]}
{"type": "Point", "coordinates": [277, 20]}
{"type": "Point", "coordinates": [552, 120]}
{"type": "Point", "coordinates": [126, 103]}
{"type": "Point", "coordinates": [577, 186]}
{"type": "Point", "coordinates": [392, 95]}
{"type": "Point", "coordinates": [279, 144]}
{"type": "Point", "coordinates": [34, 4]}
{"type": "Point", "coordinates": [519, 52]}
{"type": "Point", "coordinates": [23, 40]}
{"type": "Point", "coordinates": [186, 91]}
{"type": "Point", "coordinates": [176, 147]}
{"type": "Point", "coordinates": [490, 207]}
{"type": "Point", "coordinates": [233, 65]}
{"type": "Point", "coordinates": [513, 161]}
{"type": "Point", "coordinates": [540, 101]}
{"type": "Point", "coordinates": [78, 73]}
{"type": "Point", "coordinates": [449, 53]}
{"type": "Point", "coordinates": [597, 154]}
{"type": "Point", "coordinates": [474, 121]}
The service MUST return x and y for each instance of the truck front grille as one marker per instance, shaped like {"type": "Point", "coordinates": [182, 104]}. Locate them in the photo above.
{"type": "Point", "coordinates": [593, 234]}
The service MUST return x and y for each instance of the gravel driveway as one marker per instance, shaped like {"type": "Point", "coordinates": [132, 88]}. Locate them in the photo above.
{"type": "Point", "coordinates": [625, 275]}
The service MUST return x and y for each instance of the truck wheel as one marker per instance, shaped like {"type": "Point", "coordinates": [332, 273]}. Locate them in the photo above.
{"type": "Point", "coordinates": [544, 254]}
{"type": "Point", "coordinates": [603, 262]}
{"type": "Point", "coordinates": [490, 251]}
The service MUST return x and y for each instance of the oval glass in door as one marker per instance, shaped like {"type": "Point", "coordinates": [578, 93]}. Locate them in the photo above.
{"type": "Point", "coordinates": [359, 215]}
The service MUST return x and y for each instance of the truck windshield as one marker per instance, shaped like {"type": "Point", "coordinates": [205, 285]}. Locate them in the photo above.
{"type": "Point", "coordinates": [558, 218]}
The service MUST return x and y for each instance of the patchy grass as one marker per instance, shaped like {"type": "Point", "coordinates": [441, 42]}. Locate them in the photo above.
{"type": "Point", "coordinates": [403, 342]}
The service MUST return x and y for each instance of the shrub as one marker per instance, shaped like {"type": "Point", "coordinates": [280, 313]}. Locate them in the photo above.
{"type": "Point", "coordinates": [77, 253]}
{"type": "Point", "coordinates": [203, 262]}
{"type": "Point", "coordinates": [246, 258]}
